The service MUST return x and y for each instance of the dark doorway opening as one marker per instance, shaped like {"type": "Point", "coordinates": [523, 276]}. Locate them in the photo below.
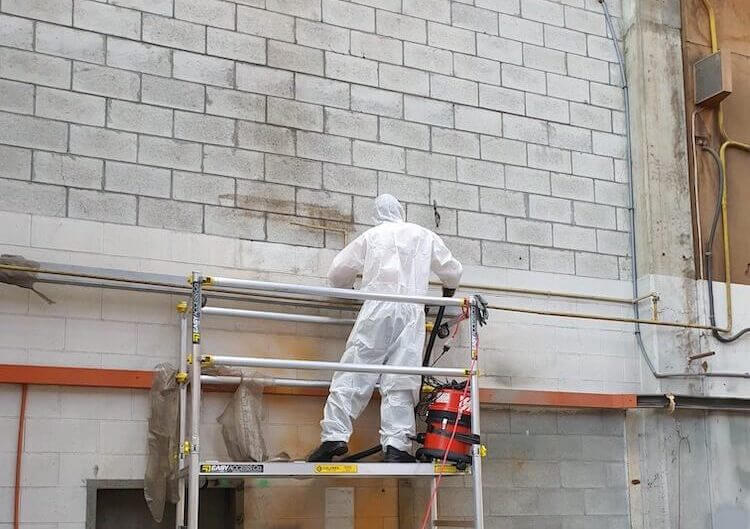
{"type": "Point", "coordinates": [119, 504]}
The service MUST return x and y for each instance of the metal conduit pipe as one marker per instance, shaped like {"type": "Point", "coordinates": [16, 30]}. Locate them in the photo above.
{"type": "Point", "coordinates": [631, 190]}
{"type": "Point", "coordinates": [482, 288]}
{"type": "Point", "coordinates": [696, 184]}
{"type": "Point", "coordinates": [721, 188]}
{"type": "Point", "coordinates": [163, 284]}
{"type": "Point", "coordinates": [175, 282]}
{"type": "Point", "coordinates": [619, 319]}
{"type": "Point", "coordinates": [725, 217]}
{"type": "Point", "coordinates": [727, 143]}
{"type": "Point", "coordinates": [631, 208]}
{"type": "Point", "coordinates": [234, 295]}
{"type": "Point", "coordinates": [221, 294]}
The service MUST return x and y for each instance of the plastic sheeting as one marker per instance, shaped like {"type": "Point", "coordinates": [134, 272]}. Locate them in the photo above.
{"type": "Point", "coordinates": [240, 427]}
{"type": "Point", "coordinates": [21, 278]}
{"type": "Point", "coordinates": [160, 481]}
{"type": "Point", "coordinates": [242, 418]}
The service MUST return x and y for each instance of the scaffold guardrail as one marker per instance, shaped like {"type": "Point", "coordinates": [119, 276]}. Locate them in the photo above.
{"type": "Point", "coordinates": [190, 464]}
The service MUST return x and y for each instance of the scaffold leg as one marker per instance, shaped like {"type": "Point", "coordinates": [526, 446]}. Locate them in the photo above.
{"type": "Point", "coordinates": [476, 460]}
{"type": "Point", "coordinates": [195, 405]}
{"type": "Point", "coordinates": [180, 508]}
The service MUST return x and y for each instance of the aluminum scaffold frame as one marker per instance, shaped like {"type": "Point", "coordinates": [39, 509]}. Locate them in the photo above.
{"type": "Point", "coordinates": [189, 458]}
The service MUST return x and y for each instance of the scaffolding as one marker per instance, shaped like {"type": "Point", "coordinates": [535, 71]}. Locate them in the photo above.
{"type": "Point", "coordinates": [192, 469]}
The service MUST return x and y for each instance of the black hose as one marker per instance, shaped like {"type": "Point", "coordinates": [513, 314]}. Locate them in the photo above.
{"type": "Point", "coordinates": [709, 256]}
{"type": "Point", "coordinates": [433, 335]}
{"type": "Point", "coordinates": [363, 454]}
{"type": "Point", "coordinates": [431, 343]}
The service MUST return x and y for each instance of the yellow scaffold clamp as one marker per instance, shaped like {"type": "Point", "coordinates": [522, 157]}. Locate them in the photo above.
{"type": "Point", "coordinates": [186, 448]}
{"type": "Point", "coordinates": [181, 377]}
{"type": "Point", "coordinates": [206, 281]}
{"type": "Point", "coordinates": [182, 307]}
{"type": "Point", "coordinates": [429, 326]}
{"type": "Point", "coordinates": [206, 360]}
{"type": "Point", "coordinates": [482, 451]}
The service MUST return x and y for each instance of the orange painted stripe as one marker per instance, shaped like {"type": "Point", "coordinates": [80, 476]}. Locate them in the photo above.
{"type": "Point", "coordinates": [560, 399]}
{"type": "Point", "coordinates": [113, 378]}
{"type": "Point", "coordinates": [132, 379]}
{"type": "Point", "coordinates": [75, 376]}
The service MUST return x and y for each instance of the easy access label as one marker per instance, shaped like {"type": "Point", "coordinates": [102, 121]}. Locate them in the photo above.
{"type": "Point", "coordinates": [335, 469]}
{"type": "Point", "coordinates": [239, 468]}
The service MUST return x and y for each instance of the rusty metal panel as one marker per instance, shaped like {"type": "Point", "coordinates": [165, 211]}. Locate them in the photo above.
{"type": "Point", "coordinates": [732, 21]}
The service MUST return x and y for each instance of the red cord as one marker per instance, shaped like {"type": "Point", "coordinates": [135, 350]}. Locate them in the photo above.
{"type": "Point", "coordinates": [447, 448]}
{"type": "Point", "coordinates": [464, 316]}
{"type": "Point", "coordinates": [19, 457]}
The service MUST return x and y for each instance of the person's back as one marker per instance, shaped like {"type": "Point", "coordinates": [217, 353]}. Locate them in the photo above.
{"type": "Point", "coordinates": [393, 257]}
{"type": "Point", "coordinates": [397, 259]}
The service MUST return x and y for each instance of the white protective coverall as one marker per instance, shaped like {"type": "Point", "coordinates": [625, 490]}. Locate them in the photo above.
{"type": "Point", "coordinates": [393, 257]}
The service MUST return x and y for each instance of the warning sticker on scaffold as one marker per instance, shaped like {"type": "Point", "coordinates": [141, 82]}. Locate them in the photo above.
{"type": "Point", "coordinates": [335, 469]}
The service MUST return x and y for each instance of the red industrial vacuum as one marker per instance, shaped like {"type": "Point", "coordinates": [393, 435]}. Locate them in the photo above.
{"type": "Point", "coordinates": [443, 406]}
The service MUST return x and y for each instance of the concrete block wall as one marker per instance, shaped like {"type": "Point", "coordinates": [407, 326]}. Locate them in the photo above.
{"type": "Point", "coordinates": [559, 468]}
{"type": "Point", "coordinates": [71, 435]}
{"type": "Point", "coordinates": [77, 434]}
{"type": "Point", "coordinates": [545, 468]}
{"type": "Point", "coordinates": [104, 328]}
{"type": "Point", "coordinates": [273, 120]}
{"type": "Point", "coordinates": [226, 134]}
{"type": "Point", "coordinates": [101, 328]}
{"type": "Point", "coordinates": [174, 135]}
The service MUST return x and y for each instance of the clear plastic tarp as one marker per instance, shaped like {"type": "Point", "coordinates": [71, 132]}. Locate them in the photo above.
{"type": "Point", "coordinates": [242, 418]}
{"type": "Point", "coordinates": [160, 481]}
{"type": "Point", "coordinates": [240, 426]}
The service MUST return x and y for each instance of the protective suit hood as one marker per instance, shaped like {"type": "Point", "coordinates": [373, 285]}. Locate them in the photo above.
{"type": "Point", "coordinates": [388, 209]}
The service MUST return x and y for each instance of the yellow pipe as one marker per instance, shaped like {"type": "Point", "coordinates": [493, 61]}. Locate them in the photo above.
{"type": "Point", "coordinates": [725, 223]}
{"type": "Point", "coordinates": [725, 234]}
{"type": "Point", "coordinates": [712, 26]}
{"type": "Point", "coordinates": [601, 317]}
{"type": "Point", "coordinates": [560, 314]}
{"type": "Point", "coordinates": [727, 143]}
{"type": "Point", "coordinates": [552, 293]}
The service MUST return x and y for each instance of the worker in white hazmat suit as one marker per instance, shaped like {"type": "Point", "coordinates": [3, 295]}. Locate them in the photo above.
{"type": "Point", "coordinates": [394, 257]}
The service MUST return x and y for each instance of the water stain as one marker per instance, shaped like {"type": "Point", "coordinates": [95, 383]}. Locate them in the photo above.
{"type": "Point", "coordinates": [260, 203]}
{"type": "Point", "coordinates": [289, 207]}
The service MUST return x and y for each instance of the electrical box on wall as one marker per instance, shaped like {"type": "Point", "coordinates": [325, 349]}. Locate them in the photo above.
{"type": "Point", "coordinates": [713, 78]}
